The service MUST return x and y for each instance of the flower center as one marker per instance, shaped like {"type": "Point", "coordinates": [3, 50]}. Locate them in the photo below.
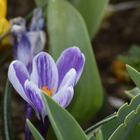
{"type": "Point", "coordinates": [47, 91]}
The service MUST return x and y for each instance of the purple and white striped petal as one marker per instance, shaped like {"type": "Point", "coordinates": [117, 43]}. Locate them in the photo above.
{"type": "Point", "coordinates": [37, 40]}
{"type": "Point", "coordinates": [44, 71]}
{"type": "Point", "coordinates": [24, 52]}
{"type": "Point", "coordinates": [37, 22]}
{"type": "Point", "coordinates": [70, 58]}
{"type": "Point", "coordinates": [69, 79]}
{"type": "Point", "coordinates": [18, 74]}
{"type": "Point", "coordinates": [34, 95]}
{"type": "Point", "coordinates": [64, 96]}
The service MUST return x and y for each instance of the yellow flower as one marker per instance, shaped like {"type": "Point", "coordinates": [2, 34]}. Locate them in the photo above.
{"type": "Point", "coordinates": [4, 24]}
{"type": "Point", "coordinates": [3, 8]}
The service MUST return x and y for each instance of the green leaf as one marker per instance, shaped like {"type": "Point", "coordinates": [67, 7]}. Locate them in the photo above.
{"type": "Point", "coordinates": [136, 133]}
{"type": "Point", "coordinates": [133, 92]}
{"type": "Point", "coordinates": [111, 126]}
{"type": "Point", "coordinates": [8, 130]}
{"type": "Point", "coordinates": [92, 138]}
{"type": "Point", "coordinates": [90, 130]}
{"type": "Point", "coordinates": [99, 135]}
{"type": "Point", "coordinates": [66, 28]}
{"type": "Point", "coordinates": [129, 124]}
{"type": "Point", "coordinates": [40, 3]}
{"type": "Point", "coordinates": [134, 74]}
{"type": "Point", "coordinates": [64, 125]}
{"type": "Point", "coordinates": [34, 131]}
{"type": "Point", "coordinates": [92, 11]}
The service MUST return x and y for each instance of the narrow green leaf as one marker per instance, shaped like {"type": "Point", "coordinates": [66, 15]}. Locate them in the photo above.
{"type": "Point", "coordinates": [34, 131]}
{"type": "Point", "coordinates": [130, 122]}
{"type": "Point", "coordinates": [92, 138]}
{"type": "Point", "coordinates": [109, 127]}
{"type": "Point", "coordinates": [133, 92]}
{"type": "Point", "coordinates": [92, 11]}
{"type": "Point", "coordinates": [107, 119]}
{"type": "Point", "coordinates": [134, 74]}
{"type": "Point", "coordinates": [96, 135]}
{"type": "Point", "coordinates": [64, 125]}
{"type": "Point", "coordinates": [8, 131]}
{"type": "Point", "coordinates": [66, 28]}
{"type": "Point", "coordinates": [99, 135]}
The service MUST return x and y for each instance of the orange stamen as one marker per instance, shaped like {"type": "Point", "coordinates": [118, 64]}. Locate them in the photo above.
{"type": "Point", "coordinates": [47, 91]}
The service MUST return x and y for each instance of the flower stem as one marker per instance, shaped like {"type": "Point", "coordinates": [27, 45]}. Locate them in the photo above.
{"type": "Point", "coordinates": [28, 115]}
{"type": "Point", "coordinates": [44, 125]}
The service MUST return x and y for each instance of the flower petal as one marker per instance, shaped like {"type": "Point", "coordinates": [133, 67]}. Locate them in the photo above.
{"type": "Point", "coordinates": [34, 95]}
{"type": "Point", "coordinates": [44, 71]}
{"type": "Point", "coordinates": [18, 74]}
{"type": "Point", "coordinates": [64, 96]}
{"type": "Point", "coordinates": [18, 26]}
{"type": "Point", "coordinates": [37, 40]}
{"type": "Point", "coordinates": [70, 58]}
{"type": "Point", "coordinates": [24, 52]}
{"type": "Point", "coordinates": [37, 22]}
{"type": "Point", "coordinates": [3, 8]}
{"type": "Point", "coordinates": [69, 79]}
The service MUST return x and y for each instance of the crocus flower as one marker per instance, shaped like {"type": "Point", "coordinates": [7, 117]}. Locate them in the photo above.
{"type": "Point", "coordinates": [47, 77]}
{"type": "Point", "coordinates": [27, 43]}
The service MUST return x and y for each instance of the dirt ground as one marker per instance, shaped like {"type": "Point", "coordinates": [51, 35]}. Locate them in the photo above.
{"type": "Point", "coordinates": [118, 32]}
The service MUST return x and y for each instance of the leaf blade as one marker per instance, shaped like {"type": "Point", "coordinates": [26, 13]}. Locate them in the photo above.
{"type": "Point", "coordinates": [92, 11]}
{"type": "Point", "coordinates": [130, 122]}
{"type": "Point", "coordinates": [8, 131]}
{"type": "Point", "coordinates": [111, 126]}
{"type": "Point", "coordinates": [34, 131]}
{"type": "Point", "coordinates": [64, 125]}
{"type": "Point", "coordinates": [66, 28]}
{"type": "Point", "coordinates": [134, 74]}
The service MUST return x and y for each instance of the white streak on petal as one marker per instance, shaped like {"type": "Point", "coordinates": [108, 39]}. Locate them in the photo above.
{"type": "Point", "coordinates": [82, 67]}
{"type": "Point", "coordinates": [64, 96]}
{"type": "Point", "coordinates": [37, 40]}
{"type": "Point", "coordinates": [69, 78]}
{"type": "Point", "coordinates": [44, 71]}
